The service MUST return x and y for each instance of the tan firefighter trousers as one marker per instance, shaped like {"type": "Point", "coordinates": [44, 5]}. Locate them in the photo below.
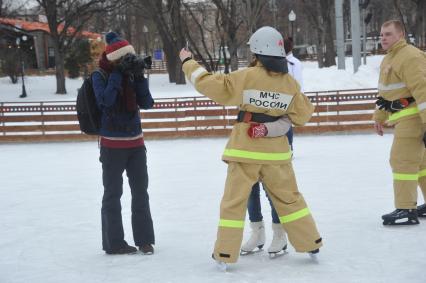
{"type": "Point", "coordinates": [408, 162]}
{"type": "Point", "coordinates": [280, 183]}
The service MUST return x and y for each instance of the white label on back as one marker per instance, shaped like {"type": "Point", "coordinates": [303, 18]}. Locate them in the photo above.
{"type": "Point", "coordinates": [267, 99]}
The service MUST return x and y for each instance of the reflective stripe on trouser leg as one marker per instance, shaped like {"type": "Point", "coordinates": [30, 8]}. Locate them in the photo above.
{"type": "Point", "coordinates": [241, 178]}
{"type": "Point", "coordinates": [280, 183]}
{"type": "Point", "coordinates": [406, 158]}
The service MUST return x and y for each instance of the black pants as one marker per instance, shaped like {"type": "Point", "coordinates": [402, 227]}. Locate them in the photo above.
{"type": "Point", "coordinates": [114, 162]}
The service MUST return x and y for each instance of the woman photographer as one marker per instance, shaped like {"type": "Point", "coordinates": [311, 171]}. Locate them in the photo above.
{"type": "Point", "coordinates": [120, 92]}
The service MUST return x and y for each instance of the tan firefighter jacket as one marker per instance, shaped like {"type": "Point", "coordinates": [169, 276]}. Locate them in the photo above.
{"type": "Point", "coordinates": [255, 90]}
{"type": "Point", "coordinates": [403, 75]}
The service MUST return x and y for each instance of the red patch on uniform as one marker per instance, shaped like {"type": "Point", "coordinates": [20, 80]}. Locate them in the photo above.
{"type": "Point", "coordinates": [280, 43]}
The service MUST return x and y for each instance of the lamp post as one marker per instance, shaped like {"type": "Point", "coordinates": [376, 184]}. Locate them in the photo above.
{"type": "Point", "coordinates": [18, 43]}
{"type": "Point", "coordinates": [292, 19]}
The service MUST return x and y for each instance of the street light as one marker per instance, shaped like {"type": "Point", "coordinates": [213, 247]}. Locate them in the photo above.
{"type": "Point", "coordinates": [18, 43]}
{"type": "Point", "coordinates": [292, 19]}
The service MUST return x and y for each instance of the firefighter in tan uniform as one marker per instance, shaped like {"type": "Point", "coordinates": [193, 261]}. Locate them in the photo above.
{"type": "Point", "coordinates": [263, 93]}
{"type": "Point", "coordinates": [402, 103]}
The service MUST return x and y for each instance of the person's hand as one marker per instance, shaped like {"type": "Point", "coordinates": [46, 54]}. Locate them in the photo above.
{"type": "Point", "coordinates": [184, 54]}
{"type": "Point", "coordinates": [126, 63]}
{"type": "Point", "coordinates": [390, 106]}
{"type": "Point", "coordinates": [379, 128]}
{"type": "Point", "coordinates": [257, 130]}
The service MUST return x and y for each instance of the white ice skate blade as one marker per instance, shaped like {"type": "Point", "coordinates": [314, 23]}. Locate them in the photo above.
{"type": "Point", "coordinates": [314, 257]}
{"type": "Point", "coordinates": [256, 250]}
{"type": "Point", "coordinates": [221, 266]}
{"type": "Point", "coordinates": [274, 255]}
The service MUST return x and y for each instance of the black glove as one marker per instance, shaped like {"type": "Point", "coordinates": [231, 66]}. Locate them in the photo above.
{"type": "Point", "coordinates": [424, 138]}
{"type": "Point", "coordinates": [390, 106]}
{"type": "Point", "coordinates": [126, 63]}
{"type": "Point", "coordinates": [139, 76]}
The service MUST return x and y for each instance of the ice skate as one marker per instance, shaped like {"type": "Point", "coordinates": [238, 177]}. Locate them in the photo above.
{"type": "Point", "coordinates": [257, 239]}
{"type": "Point", "coordinates": [401, 217]}
{"type": "Point", "coordinates": [314, 255]}
{"type": "Point", "coordinates": [421, 210]}
{"type": "Point", "coordinates": [278, 245]}
{"type": "Point", "coordinates": [222, 266]}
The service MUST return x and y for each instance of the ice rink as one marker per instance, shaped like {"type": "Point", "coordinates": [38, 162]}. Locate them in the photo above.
{"type": "Point", "coordinates": [50, 228]}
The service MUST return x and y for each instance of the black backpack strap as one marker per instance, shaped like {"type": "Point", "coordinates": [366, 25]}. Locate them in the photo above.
{"type": "Point", "coordinates": [102, 72]}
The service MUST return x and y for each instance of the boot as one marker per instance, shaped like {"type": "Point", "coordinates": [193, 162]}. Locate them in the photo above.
{"type": "Point", "coordinates": [279, 239]}
{"type": "Point", "coordinates": [121, 251]}
{"type": "Point", "coordinates": [421, 210]}
{"type": "Point", "coordinates": [257, 238]}
{"type": "Point", "coordinates": [401, 217]}
{"type": "Point", "coordinates": [147, 249]}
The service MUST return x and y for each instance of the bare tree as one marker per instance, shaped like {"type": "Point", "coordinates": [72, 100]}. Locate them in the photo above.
{"type": "Point", "coordinates": [198, 31]}
{"type": "Point", "coordinates": [66, 19]}
{"type": "Point", "coordinates": [418, 25]}
{"type": "Point", "coordinates": [320, 15]}
{"type": "Point", "coordinates": [167, 16]}
{"type": "Point", "coordinates": [229, 27]}
{"type": "Point", "coordinates": [397, 6]}
{"type": "Point", "coordinates": [251, 12]}
{"type": "Point", "coordinates": [8, 8]}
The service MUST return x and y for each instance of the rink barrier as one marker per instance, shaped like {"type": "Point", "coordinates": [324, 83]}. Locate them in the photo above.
{"type": "Point", "coordinates": [335, 111]}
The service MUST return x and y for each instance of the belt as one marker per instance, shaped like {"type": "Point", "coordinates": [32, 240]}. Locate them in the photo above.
{"type": "Point", "coordinates": [247, 117]}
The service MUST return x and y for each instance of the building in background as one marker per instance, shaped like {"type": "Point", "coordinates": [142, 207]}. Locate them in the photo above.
{"type": "Point", "coordinates": [38, 47]}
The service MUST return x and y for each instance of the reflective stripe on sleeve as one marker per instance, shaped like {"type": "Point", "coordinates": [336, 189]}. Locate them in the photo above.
{"type": "Point", "coordinates": [389, 87]}
{"type": "Point", "coordinates": [196, 74]}
{"type": "Point", "coordinates": [405, 177]}
{"type": "Point", "coordinates": [231, 223]}
{"type": "Point", "coordinates": [403, 113]}
{"type": "Point", "coordinates": [422, 173]}
{"type": "Point", "coordinates": [295, 215]}
{"type": "Point", "coordinates": [422, 106]}
{"type": "Point", "coordinates": [257, 155]}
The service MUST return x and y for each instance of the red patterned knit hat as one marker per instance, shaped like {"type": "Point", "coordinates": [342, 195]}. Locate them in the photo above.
{"type": "Point", "coordinates": [117, 47]}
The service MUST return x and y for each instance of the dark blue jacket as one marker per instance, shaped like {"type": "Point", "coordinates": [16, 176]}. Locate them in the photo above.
{"type": "Point", "coordinates": [114, 123]}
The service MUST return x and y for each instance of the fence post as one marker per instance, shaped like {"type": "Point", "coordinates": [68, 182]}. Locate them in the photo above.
{"type": "Point", "coordinates": [42, 118]}
{"type": "Point", "coordinates": [318, 111]}
{"type": "Point", "coordinates": [224, 117]}
{"type": "Point", "coordinates": [337, 103]}
{"type": "Point", "coordinates": [176, 112]}
{"type": "Point", "coordinates": [195, 113]}
{"type": "Point", "coordinates": [2, 116]}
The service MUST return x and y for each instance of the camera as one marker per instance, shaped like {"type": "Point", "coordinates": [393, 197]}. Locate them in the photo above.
{"type": "Point", "coordinates": [135, 64]}
{"type": "Point", "coordinates": [140, 63]}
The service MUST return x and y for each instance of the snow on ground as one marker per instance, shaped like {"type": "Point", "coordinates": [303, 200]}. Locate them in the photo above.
{"type": "Point", "coordinates": [43, 88]}
{"type": "Point", "coordinates": [50, 231]}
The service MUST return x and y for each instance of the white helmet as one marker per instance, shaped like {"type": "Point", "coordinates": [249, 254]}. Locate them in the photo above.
{"type": "Point", "coordinates": [267, 41]}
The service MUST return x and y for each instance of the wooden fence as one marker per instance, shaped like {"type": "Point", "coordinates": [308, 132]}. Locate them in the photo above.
{"type": "Point", "coordinates": [348, 110]}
